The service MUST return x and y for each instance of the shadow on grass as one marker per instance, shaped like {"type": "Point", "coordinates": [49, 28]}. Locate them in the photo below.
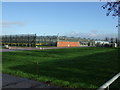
{"type": "Point", "coordinates": [81, 71]}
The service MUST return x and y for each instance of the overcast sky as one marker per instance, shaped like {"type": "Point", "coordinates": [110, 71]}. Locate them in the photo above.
{"type": "Point", "coordinates": [79, 19]}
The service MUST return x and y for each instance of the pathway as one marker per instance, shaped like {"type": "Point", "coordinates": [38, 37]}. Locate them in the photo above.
{"type": "Point", "coordinates": [32, 48]}
{"type": "Point", "coordinates": [9, 81]}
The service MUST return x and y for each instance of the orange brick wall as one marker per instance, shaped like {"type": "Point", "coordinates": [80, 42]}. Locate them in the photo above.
{"type": "Point", "coordinates": [67, 44]}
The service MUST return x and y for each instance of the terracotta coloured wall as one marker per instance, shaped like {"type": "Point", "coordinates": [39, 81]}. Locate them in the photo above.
{"type": "Point", "coordinates": [67, 44]}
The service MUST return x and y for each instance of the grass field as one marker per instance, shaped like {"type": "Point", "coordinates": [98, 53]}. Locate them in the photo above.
{"type": "Point", "coordinates": [85, 67]}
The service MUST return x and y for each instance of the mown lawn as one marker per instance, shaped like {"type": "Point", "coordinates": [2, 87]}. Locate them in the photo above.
{"type": "Point", "coordinates": [85, 67]}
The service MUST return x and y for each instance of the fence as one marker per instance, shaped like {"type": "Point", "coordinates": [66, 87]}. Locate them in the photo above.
{"type": "Point", "coordinates": [108, 83]}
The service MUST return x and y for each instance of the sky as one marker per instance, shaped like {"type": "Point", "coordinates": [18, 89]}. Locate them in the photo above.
{"type": "Point", "coordinates": [77, 19]}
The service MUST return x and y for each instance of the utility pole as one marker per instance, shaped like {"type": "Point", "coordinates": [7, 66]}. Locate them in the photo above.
{"type": "Point", "coordinates": [58, 37]}
{"type": "Point", "coordinates": [28, 40]}
{"type": "Point", "coordinates": [35, 40]}
{"type": "Point", "coordinates": [119, 24]}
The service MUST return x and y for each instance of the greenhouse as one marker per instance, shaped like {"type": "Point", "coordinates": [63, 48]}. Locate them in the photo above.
{"type": "Point", "coordinates": [32, 40]}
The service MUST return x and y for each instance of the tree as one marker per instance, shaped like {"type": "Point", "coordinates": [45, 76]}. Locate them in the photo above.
{"type": "Point", "coordinates": [112, 7]}
{"type": "Point", "coordinates": [106, 39]}
{"type": "Point", "coordinates": [112, 40]}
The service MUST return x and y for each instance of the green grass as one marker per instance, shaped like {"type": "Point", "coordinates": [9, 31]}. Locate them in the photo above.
{"type": "Point", "coordinates": [85, 67]}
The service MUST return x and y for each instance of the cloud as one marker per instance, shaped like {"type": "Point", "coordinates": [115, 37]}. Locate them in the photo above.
{"type": "Point", "coordinates": [11, 24]}
{"type": "Point", "coordinates": [92, 34]}
{"type": "Point", "coordinates": [73, 34]}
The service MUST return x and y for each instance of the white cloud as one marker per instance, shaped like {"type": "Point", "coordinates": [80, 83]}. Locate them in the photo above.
{"type": "Point", "coordinates": [92, 34]}
{"type": "Point", "coordinates": [73, 34]}
{"type": "Point", "coordinates": [8, 24]}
